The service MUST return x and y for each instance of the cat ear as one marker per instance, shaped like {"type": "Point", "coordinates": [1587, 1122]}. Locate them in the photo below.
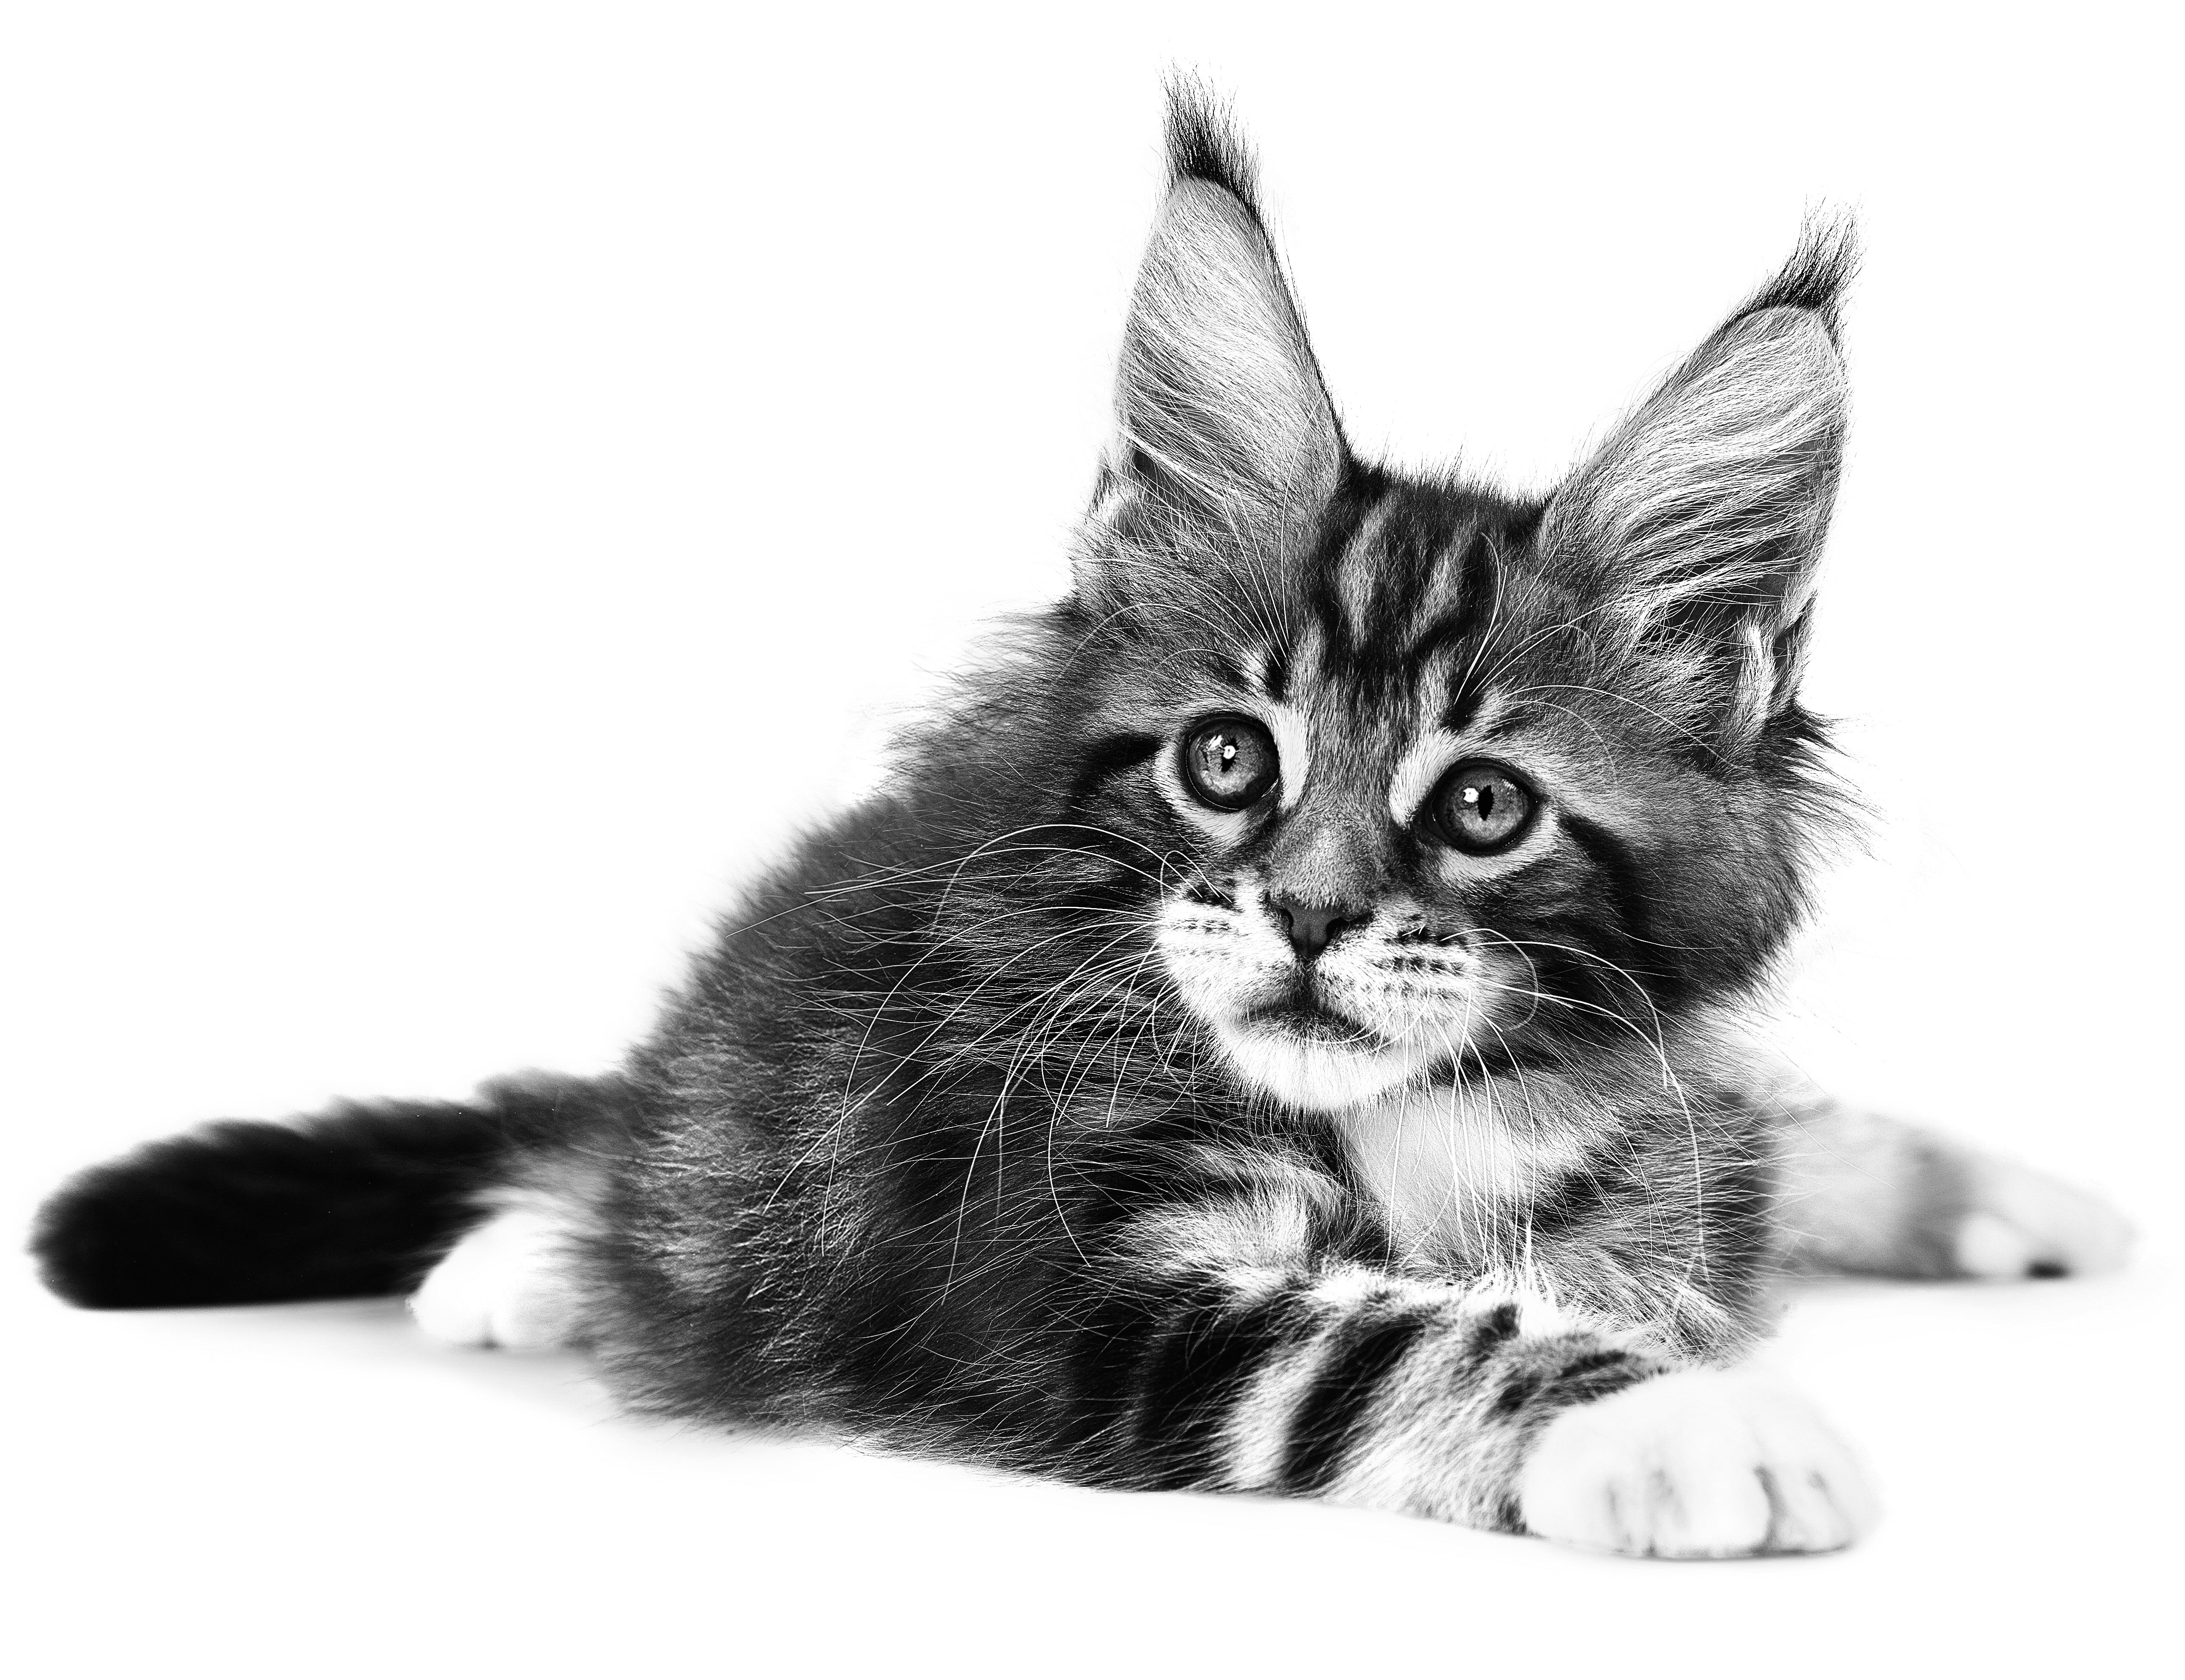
{"type": "Point", "coordinates": [1219, 404]}
{"type": "Point", "coordinates": [1701, 520]}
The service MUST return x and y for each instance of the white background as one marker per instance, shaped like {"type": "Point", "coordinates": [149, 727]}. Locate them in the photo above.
{"type": "Point", "coordinates": [470, 477]}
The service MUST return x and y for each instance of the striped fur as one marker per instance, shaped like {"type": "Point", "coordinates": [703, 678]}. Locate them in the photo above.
{"type": "Point", "coordinates": [1041, 1112]}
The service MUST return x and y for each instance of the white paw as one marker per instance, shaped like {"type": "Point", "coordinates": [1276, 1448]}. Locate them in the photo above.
{"type": "Point", "coordinates": [2026, 1223]}
{"type": "Point", "coordinates": [1699, 1463]}
{"type": "Point", "coordinates": [506, 1284]}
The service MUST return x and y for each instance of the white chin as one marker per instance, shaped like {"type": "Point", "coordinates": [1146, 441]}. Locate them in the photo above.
{"type": "Point", "coordinates": [1313, 1073]}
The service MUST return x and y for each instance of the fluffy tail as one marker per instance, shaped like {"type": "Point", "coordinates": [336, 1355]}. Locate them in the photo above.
{"type": "Point", "coordinates": [361, 1200]}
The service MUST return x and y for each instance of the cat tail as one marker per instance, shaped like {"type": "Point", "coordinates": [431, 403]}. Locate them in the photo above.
{"type": "Point", "coordinates": [361, 1200]}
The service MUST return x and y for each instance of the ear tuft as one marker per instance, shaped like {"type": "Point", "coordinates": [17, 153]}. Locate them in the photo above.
{"type": "Point", "coordinates": [1698, 524]}
{"type": "Point", "coordinates": [1204, 145]}
{"type": "Point", "coordinates": [1716, 493]}
{"type": "Point", "coordinates": [1220, 410]}
{"type": "Point", "coordinates": [1817, 274]}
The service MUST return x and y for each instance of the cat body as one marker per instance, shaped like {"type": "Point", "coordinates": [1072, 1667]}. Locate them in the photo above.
{"type": "Point", "coordinates": [1277, 1027]}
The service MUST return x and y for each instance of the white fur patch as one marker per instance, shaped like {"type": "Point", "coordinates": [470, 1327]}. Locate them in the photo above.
{"type": "Point", "coordinates": [1700, 1464]}
{"type": "Point", "coordinates": [1415, 1006]}
{"type": "Point", "coordinates": [1436, 1159]}
{"type": "Point", "coordinates": [1989, 1246]}
{"type": "Point", "coordinates": [508, 1283]}
{"type": "Point", "coordinates": [1265, 1230]}
{"type": "Point", "coordinates": [1293, 750]}
{"type": "Point", "coordinates": [1313, 1073]}
{"type": "Point", "coordinates": [2025, 1222]}
{"type": "Point", "coordinates": [1421, 767]}
{"type": "Point", "coordinates": [1351, 1287]}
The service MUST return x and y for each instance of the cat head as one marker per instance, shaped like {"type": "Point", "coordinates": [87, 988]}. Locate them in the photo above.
{"type": "Point", "coordinates": [1436, 775]}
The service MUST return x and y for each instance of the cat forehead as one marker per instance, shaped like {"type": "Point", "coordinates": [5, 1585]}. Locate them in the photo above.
{"type": "Point", "coordinates": [1415, 615]}
{"type": "Point", "coordinates": [1386, 614]}
{"type": "Point", "coordinates": [1389, 587]}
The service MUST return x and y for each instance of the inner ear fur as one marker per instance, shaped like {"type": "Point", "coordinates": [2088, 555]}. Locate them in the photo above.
{"type": "Point", "coordinates": [1220, 412]}
{"type": "Point", "coordinates": [1218, 396]}
{"type": "Point", "coordinates": [1698, 525]}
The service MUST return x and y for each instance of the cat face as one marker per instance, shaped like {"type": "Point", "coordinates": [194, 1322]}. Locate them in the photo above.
{"type": "Point", "coordinates": [1417, 813]}
{"type": "Point", "coordinates": [1436, 776]}
{"type": "Point", "coordinates": [1382, 838]}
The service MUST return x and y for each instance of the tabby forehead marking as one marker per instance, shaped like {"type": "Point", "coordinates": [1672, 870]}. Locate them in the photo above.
{"type": "Point", "coordinates": [1442, 593]}
{"type": "Point", "coordinates": [1399, 617]}
{"type": "Point", "coordinates": [1358, 572]}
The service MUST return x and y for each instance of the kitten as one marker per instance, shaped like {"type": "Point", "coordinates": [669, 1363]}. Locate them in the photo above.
{"type": "Point", "coordinates": [1272, 1032]}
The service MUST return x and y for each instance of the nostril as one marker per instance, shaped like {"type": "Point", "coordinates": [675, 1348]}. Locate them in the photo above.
{"type": "Point", "coordinates": [1312, 927]}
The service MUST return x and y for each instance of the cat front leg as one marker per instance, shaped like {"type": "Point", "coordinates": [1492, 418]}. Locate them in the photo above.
{"type": "Point", "coordinates": [1478, 1401]}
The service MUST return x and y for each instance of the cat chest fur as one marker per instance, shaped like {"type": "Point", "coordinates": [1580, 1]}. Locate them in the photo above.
{"type": "Point", "coordinates": [1454, 1167]}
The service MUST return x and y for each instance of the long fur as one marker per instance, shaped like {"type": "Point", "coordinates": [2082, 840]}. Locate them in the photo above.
{"type": "Point", "coordinates": [1004, 1118]}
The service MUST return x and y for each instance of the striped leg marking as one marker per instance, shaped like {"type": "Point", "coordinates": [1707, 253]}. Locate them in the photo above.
{"type": "Point", "coordinates": [1243, 1362]}
{"type": "Point", "coordinates": [1362, 1388]}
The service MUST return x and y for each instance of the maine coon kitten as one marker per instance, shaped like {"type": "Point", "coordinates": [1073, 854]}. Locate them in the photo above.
{"type": "Point", "coordinates": [1273, 1030]}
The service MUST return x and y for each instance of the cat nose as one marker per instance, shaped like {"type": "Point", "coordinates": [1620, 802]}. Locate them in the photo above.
{"type": "Point", "coordinates": [1313, 927]}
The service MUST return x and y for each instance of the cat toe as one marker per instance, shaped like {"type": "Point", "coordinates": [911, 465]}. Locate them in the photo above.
{"type": "Point", "coordinates": [1697, 1465]}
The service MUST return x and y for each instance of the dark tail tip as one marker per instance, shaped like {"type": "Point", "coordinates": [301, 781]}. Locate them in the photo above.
{"type": "Point", "coordinates": [361, 1201]}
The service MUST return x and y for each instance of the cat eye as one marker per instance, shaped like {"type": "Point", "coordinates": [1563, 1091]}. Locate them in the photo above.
{"type": "Point", "coordinates": [1229, 762]}
{"type": "Point", "coordinates": [1480, 807]}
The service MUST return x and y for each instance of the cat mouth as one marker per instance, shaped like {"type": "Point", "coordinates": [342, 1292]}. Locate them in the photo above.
{"type": "Point", "coordinates": [1302, 1016]}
